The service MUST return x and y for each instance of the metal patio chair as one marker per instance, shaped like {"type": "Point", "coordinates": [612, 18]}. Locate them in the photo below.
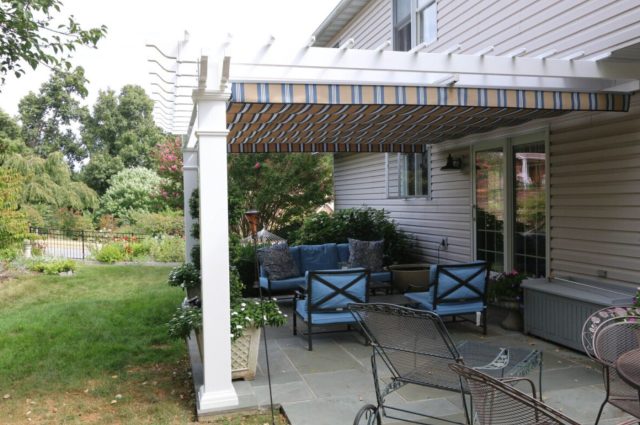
{"type": "Point", "coordinates": [457, 290]}
{"type": "Point", "coordinates": [606, 335]}
{"type": "Point", "coordinates": [495, 402]}
{"type": "Point", "coordinates": [416, 349]}
{"type": "Point", "coordinates": [328, 293]}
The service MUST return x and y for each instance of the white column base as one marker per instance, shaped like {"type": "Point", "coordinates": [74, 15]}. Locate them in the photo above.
{"type": "Point", "coordinates": [216, 401]}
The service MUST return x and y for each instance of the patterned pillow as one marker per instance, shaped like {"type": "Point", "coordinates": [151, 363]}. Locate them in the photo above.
{"type": "Point", "coordinates": [278, 262]}
{"type": "Point", "coordinates": [367, 254]}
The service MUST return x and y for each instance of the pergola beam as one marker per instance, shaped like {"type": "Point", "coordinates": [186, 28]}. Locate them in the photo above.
{"type": "Point", "coordinates": [402, 62]}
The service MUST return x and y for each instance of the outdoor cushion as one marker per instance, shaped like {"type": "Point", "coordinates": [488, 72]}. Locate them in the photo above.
{"type": "Point", "coordinates": [284, 284]}
{"type": "Point", "coordinates": [367, 254]}
{"type": "Point", "coordinates": [425, 301]}
{"type": "Point", "coordinates": [381, 276]}
{"type": "Point", "coordinates": [445, 282]}
{"type": "Point", "coordinates": [318, 257]}
{"type": "Point", "coordinates": [278, 262]}
{"type": "Point", "coordinates": [324, 318]}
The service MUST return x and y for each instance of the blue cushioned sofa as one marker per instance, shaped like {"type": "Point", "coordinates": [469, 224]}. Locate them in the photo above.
{"type": "Point", "coordinates": [310, 258]}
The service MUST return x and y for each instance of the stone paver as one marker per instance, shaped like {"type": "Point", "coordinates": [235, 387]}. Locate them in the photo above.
{"type": "Point", "coordinates": [331, 383]}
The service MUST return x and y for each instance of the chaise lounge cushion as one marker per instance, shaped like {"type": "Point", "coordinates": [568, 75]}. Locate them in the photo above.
{"type": "Point", "coordinates": [367, 254]}
{"type": "Point", "coordinates": [278, 262]}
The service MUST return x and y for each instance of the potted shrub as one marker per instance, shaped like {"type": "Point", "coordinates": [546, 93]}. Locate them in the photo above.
{"type": "Point", "coordinates": [187, 277]}
{"type": "Point", "coordinates": [247, 317]}
{"type": "Point", "coordinates": [505, 291]}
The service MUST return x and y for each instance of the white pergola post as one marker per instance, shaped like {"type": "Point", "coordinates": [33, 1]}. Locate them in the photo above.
{"type": "Point", "coordinates": [190, 181]}
{"type": "Point", "coordinates": [217, 392]}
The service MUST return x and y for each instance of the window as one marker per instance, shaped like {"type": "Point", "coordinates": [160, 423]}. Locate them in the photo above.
{"type": "Point", "coordinates": [414, 22]}
{"type": "Point", "coordinates": [408, 175]}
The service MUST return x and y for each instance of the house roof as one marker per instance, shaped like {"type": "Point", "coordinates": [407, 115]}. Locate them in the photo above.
{"type": "Point", "coordinates": [339, 17]}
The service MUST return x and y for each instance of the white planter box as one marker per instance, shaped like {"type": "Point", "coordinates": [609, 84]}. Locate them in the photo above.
{"type": "Point", "coordinates": [244, 355]}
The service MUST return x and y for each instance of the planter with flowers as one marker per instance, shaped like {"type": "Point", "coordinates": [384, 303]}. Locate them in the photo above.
{"type": "Point", "coordinates": [247, 317]}
{"type": "Point", "coordinates": [505, 291]}
{"type": "Point", "coordinates": [187, 277]}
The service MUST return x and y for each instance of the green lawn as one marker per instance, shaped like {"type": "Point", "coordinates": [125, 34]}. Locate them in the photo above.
{"type": "Point", "coordinates": [92, 348]}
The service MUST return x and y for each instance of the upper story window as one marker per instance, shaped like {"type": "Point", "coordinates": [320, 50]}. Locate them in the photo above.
{"type": "Point", "coordinates": [414, 22]}
{"type": "Point", "coordinates": [408, 175]}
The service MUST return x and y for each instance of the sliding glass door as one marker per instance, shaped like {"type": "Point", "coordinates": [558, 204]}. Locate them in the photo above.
{"type": "Point", "coordinates": [489, 206]}
{"type": "Point", "coordinates": [510, 204]}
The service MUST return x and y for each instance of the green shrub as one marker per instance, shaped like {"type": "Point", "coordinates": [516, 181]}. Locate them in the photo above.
{"type": "Point", "coordinates": [111, 253]}
{"type": "Point", "coordinates": [156, 224]}
{"type": "Point", "coordinates": [185, 320]}
{"type": "Point", "coordinates": [140, 249]}
{"type": "Point", "coordinates": [52, 267]}
{"type": "Point", "coordinates": [195, 256]}
{"type": "Point", "coordinates": [185, 276]}
{"type": "Point", "coordinates": [365, 224]}
{"type": "Point", "coordinates": [168, 249]}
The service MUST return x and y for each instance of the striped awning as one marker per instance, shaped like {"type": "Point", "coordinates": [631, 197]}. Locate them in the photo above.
{"type": "Point", "coordinates": [282, 117]}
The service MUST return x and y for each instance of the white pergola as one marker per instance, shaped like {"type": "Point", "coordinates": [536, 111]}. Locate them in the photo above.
{"type": "Point", "coordinates": [245, 97]}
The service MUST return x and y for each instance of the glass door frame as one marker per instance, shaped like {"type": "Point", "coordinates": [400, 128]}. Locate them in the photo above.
{"type": "Point", "coordinates": [507, 143]}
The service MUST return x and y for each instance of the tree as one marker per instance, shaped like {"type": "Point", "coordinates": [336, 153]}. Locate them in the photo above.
{"type": "Point", "coordinates": [123, 126]}
{"type": "Point", "coordinates": [49, 117]}
{"type": "Point", "coordinates": [284, 188]}
{"type": "Point", "coordinates": [10, 140]}
{"type": "Point", "coordinates": [99, 170]}
{"type": "Point", "coordinates": [168, 157]}
{"type": "Point", "coordinates": [13, 226]}
{"type": "Point", "coordinates": [48, 182]}
{"type": "Point", "coordinates": [29, 33]}
{"type": "Point", "coordinates": [131, 190]}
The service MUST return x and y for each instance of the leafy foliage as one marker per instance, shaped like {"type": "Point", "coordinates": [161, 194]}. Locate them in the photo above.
{"type": "Point", "coordinates": [185, 276]}
{"type": "Point", "coordinates": [10, 140]}
{"type": "Point", "coordinates": [13, 225]}
{"type": "Point", "coordinates": [99, 170]}
{"type": "Point", "coordinates": [247, 313]}
{"type": "Point", "coordinates": [132, 190]}
{"type": "Point", "coordinates": [162, 249]}
{"type": "Point", "coordinates": [365, 224]}
{"type": "Point", "coordinates": [52, 266]}
{"type": "Point", "coordinates": [122, 126]}
{"type": "Point", "coordinates": [284, 188]}
{"type": "Point", "coordinates": [48, 181]}
{"type": "Point", "coordinates": [506, 286]}
{"type": "Point", "coordinates": [161, 223]}
{"type": "Point", "coordinates": [168, 157]}
{"type": "Point", "coordinates": [168, 249]}
{"type": "Point", "coordinates": [48, 118]}
{"type": "Point", "coordinates": [185, 320]}
{"type": "Point", "coordinates": [111, 253]}
{"type": "Point", "coordinates": [30, 34]}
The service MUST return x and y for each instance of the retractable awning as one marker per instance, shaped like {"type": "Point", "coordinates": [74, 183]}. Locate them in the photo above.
{"type": "Point", "coordinates": [280, 117]}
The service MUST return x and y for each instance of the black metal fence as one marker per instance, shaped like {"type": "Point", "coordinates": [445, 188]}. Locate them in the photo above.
{"type": "Point", "coordinates": [76, 244]}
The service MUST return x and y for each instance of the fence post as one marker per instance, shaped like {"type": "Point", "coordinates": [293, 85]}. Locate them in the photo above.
{"type": "Point", "coordinates": [83, 244]}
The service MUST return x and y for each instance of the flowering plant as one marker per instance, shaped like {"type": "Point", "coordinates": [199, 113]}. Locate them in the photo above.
{"type": "Point", "coordinates": [506, 286]}
{"type": "Point", "coordinates": [186, 319]}
{"type": "Point", "coordinates": [636, 299]}
{"type": "Point", "coordinates": [185, 276]}
{"type": "Point", "coordinates": [247, 313]}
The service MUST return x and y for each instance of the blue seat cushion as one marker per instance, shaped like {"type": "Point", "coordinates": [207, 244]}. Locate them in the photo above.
{"type": "Point", "coordinates": [284, 284]}
{"type": "Point", "coordinates": [324, 318]}
{"type": "Point", "coordinates": [318, 257]}
{"type": "Point", "coordinates": [424, 299]}
{"type": "Point", "coordinates": [381, 276]}
{"type": "Point", "coordinates": [343, 252]}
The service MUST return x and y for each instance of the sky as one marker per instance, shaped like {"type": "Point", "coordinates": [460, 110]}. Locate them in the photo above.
{"type": "Point", "coordinates": [121, 58]}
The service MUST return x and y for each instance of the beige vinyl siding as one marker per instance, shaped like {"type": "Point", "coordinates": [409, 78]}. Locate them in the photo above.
{"type": "Point", "coordinates": [595, 196]}
{"type": "Point", "coordinates": [370, 28]}
{"type": "Point", "coordinates": [359, 180]}
{"type": "Point", "coordinates": [592, 26]}
{"type": "Point", "coordinates": [568, 26]}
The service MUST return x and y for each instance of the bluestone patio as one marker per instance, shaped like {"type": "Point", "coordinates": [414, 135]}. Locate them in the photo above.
{"type": "Point", "coordinates": [331, 383]}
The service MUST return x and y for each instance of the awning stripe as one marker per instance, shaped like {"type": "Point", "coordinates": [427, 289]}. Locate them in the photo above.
{"type": "Point", "coordinates": [334, 94]}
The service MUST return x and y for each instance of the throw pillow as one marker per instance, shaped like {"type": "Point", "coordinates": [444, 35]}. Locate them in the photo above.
{"type": "Point", "coordinates": [367, 254]}
{"type": "Point", "coordinates": [278, 262]}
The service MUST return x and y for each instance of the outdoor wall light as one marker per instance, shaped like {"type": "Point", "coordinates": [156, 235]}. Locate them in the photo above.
{"type": "Point", "coordinates": [453, 163]}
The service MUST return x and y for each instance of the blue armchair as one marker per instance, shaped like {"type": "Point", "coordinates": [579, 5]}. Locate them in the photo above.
{"type": "Point", "coordinates": [456, 290]}
{"type": "Point", "coordinates": [328, 293]}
